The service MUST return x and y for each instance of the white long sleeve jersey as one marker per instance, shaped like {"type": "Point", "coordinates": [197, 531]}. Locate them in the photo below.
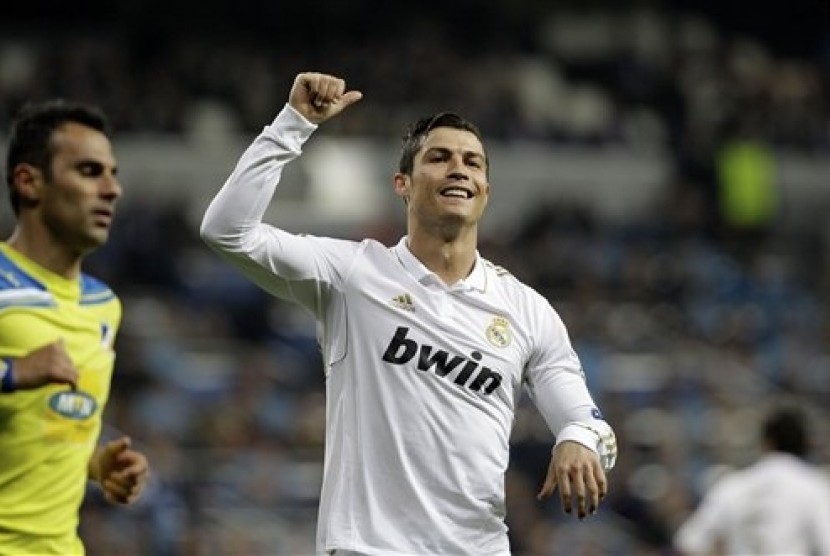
{"type": "Point", "coordinates": [422, 379]}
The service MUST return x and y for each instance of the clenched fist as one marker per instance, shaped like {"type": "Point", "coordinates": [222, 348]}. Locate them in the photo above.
{"type": "Point", "coordinates": [121, 471]}
{"type": "Point", "coordinates": [318, 96]}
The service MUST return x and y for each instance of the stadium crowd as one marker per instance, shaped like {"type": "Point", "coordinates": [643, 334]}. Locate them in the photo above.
{"type": "Point", "coordinates": [634, 76]}
{"type": "Point", "coordinates": [686, 326]}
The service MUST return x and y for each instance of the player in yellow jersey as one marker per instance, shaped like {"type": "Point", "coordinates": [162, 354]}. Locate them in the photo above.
{"type": "Point", "coordinates": [57, 326]}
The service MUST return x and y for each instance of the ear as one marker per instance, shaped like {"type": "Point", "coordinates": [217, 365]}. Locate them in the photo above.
{"type": "Point", "coordinates": [28, 181]}
{"type": "Point", "coordinates": [401, 183]}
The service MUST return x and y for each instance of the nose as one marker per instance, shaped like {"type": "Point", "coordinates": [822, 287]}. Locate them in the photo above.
{"type": "Point", "coordinates": [456, 167]}
{"type": "Point", "coordinates": [111, 188]}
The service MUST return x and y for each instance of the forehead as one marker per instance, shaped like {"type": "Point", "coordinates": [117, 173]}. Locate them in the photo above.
{"type": "Point", "coordinates": [75, 141]}
{"type": "Point", "coordinates": [453, 139]}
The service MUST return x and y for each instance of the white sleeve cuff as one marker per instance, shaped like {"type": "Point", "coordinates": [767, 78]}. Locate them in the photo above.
{"type": "Point", "coordinates": [600, 439]}
{"type": "Point", "coordinates": [291, 128]}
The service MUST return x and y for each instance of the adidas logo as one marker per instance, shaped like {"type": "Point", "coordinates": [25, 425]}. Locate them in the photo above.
{"type": "Point", "coordinates": [403, 301]}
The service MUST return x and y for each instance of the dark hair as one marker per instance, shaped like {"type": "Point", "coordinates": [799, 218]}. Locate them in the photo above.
{"type": "Point", "coordinates": [785, 430]}
{"type": "Point", "coordinates": [417, 132]}
{"type": "Point", "coordinates": [31, 133]}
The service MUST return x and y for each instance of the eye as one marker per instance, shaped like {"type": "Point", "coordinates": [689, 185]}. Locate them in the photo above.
{"type": "Point", "coordinates": [475, 162]}
{"type": "Point", "coordinates": [90, 169]}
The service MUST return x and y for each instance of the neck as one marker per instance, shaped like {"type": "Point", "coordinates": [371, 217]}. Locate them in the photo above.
{"type": "Point", "coordinates": [43, 250]}
{"type": "Point", "coordinates": [451, 258]}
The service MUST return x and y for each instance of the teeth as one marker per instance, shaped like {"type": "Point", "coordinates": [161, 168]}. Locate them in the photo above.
{"type": "Point", "coordinates": [456, 192]}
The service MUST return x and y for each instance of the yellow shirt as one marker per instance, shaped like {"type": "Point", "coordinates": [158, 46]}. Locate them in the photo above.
{"type": "Point", "coordinates": [47, 435]}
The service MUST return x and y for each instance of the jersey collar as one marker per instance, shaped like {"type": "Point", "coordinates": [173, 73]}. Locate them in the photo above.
{"type": "Point", "coordinates": [477, 280]}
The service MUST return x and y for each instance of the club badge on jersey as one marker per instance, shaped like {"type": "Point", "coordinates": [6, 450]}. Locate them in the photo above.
{"type": "Point", "coordinates": [498, 333]}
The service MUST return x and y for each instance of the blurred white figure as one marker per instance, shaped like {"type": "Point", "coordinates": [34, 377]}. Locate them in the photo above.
{"type": "Point", "coordinates": [779, 505]}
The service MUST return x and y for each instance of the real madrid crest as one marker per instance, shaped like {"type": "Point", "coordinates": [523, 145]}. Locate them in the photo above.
{"type": "Point", "coordinates": [498, 333]}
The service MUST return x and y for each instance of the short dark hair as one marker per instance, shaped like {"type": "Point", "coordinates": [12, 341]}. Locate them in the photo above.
{"type": "Point", "coordinates": [31, 133]}
{"type": "Point", "coordinates": [785, 430]}
{"type": "Point", "coordinates": [416, 133]}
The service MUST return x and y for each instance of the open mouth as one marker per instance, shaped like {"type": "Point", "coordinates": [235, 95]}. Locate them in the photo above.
{"type": "Point", "coordinates": [103, 215]}
{"type": "Point", "coordinates": [456, 192]}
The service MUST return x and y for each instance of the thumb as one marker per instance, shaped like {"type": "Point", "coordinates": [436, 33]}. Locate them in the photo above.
{"type": "Point", "coordinates": [350, 98]}
{"type": "Point", "coordinates": [122, 444]}
{"type": "Point", "coordinates": [548, 487]}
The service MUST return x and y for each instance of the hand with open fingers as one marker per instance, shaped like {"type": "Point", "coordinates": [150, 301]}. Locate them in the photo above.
{"type": "Point", "coordinates": [577, 472]}
{"type": "Point", "coordinates": [48, 364]}
{"type": "Point", "coordinates": [318, 96]}
{"type": "Point", "coordinates": [121, 471]}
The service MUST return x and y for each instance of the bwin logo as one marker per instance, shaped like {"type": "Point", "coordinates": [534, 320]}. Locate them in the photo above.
{"type": "Point", "coordinates": [401, 350]}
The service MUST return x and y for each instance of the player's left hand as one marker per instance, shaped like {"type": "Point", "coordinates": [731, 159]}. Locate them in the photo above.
{"type": "Point", "coordinates": [121, 471]}
{"type": "Point", "coordinates": [577, 472]}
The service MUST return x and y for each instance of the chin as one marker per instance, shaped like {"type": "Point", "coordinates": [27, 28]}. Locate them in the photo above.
{"type": "Point", "coordinates": [95, 240]}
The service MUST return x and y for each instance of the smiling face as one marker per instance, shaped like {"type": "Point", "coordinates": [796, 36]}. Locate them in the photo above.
{"type": "Point", "coordinates": [74, 201]}
{"type": "Point", "coordinates": [448, 186]}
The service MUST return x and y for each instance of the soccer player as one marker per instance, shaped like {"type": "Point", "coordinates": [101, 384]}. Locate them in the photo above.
{"type": "Point", "coordinates": [778, 505]}
{"type": "Point", "coordinates": [57, 327]}
{"type": "Point", "coordinates": [426, 345]}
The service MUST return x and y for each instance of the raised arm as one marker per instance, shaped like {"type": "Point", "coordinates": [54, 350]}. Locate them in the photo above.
{"type": "Point", "coordinates": [232, 224]}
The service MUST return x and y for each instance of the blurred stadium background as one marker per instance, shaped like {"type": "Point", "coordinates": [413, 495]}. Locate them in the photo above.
{"type": "Point", "coordinates": [661, 172]}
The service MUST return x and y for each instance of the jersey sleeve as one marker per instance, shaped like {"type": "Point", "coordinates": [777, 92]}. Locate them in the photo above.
{"type": "Point", "coordinates": [557, 386]}
{"type": "Point", "coordinates": [294, 267]}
